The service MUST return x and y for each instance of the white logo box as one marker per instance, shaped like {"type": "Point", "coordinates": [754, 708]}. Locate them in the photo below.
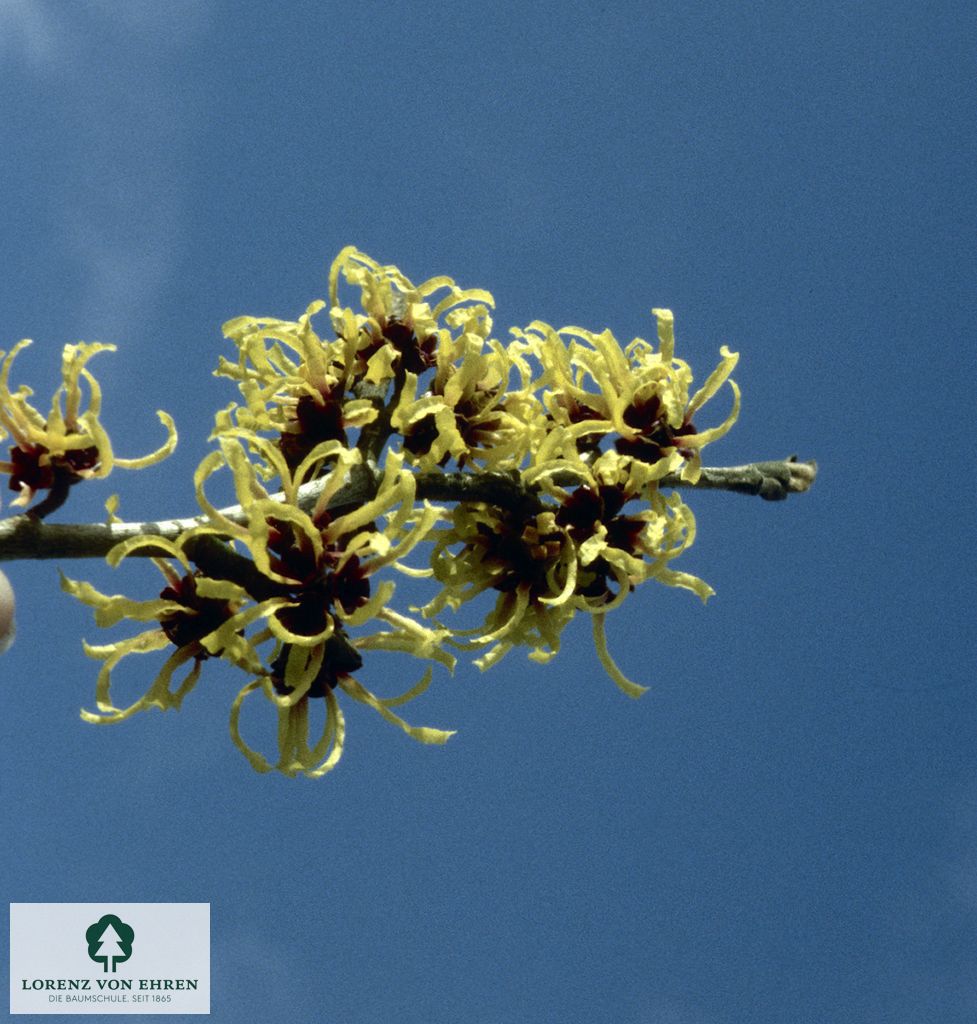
{"type": "Point", "coordinates": [109, 958]}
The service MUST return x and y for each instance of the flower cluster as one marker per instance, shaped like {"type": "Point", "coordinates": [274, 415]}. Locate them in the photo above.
{"type": "Point", "coordinates": [577, 549]}
{"type": "Point", "coordinates": [284, 611]}
{"type": "Point", "coordinates": [532, 476]}
{"type": "Point", "coordinates": [53, 453]}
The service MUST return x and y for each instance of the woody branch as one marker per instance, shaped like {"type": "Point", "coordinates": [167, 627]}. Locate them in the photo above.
{"type": "Point", "coordinates": [27, 537]}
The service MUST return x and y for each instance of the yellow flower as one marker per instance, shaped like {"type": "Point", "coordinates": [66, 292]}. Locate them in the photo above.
{"type": "Point", "coordinates": [288, 613]}
{"type": "Point", "coordinates": [399, 329]}
{"type": "Point", "coordinates": [309, 390]}
{"type": "Point", "coordinates": [578, 551]}
{"type": "Point", "coordinates": [470, 409]}
{"type": "Point", "coordinates": [526, 559]}
{"type": "Point", "coordinates": [638, 395]}
{"type": "Point", "coordinates": [200, 617]}
{"type": "Point", "coordinates": [56, 451]}
{"type": "Point", "coordinates": [319, 566]}
{"type": "Point", "coordinates": [293, 383]}
{"type": "Point", "coordinates": [570, 431]}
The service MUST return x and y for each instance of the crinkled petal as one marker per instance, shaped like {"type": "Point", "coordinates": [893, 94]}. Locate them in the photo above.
{"type": "Point", "coordinates": [621, 680]}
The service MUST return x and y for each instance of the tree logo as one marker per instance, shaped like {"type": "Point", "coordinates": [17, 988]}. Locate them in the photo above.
{"type": "Point", "coordinates": [109, 942]}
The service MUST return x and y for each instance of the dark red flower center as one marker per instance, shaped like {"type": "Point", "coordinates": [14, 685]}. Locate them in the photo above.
{"type": "Point", "coordinates": [656, 436]}
{"type": "Point", "coordinates": [416, 354]}
{"type": "Point", "coordinates": [37, 469]}
{"type": "Point", "coordinates": [320, 581]}
{"type": "Point", "coordinates": [317, 418]}
{"type": "Point", "coordinates": [420, 436]}
{"type": "Point", "coordinates": [579, 515]}
{"type": "Point", "coordinates": [202, 615]}
{"type": "Point", "coordinates": [340, 658]}
{"type": "Point", "coordinates": [516, 554]}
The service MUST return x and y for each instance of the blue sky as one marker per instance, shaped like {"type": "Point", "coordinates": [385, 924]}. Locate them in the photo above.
{"type": "Point", "coordinates": [785, 827]}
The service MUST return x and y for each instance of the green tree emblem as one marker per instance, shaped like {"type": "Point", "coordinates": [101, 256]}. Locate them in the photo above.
{"type": "Point", "coordinates": [109, 941]}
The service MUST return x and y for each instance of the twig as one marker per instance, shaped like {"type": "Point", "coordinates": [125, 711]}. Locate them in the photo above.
{"type": "Point", "coordinates": [24, 536]}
